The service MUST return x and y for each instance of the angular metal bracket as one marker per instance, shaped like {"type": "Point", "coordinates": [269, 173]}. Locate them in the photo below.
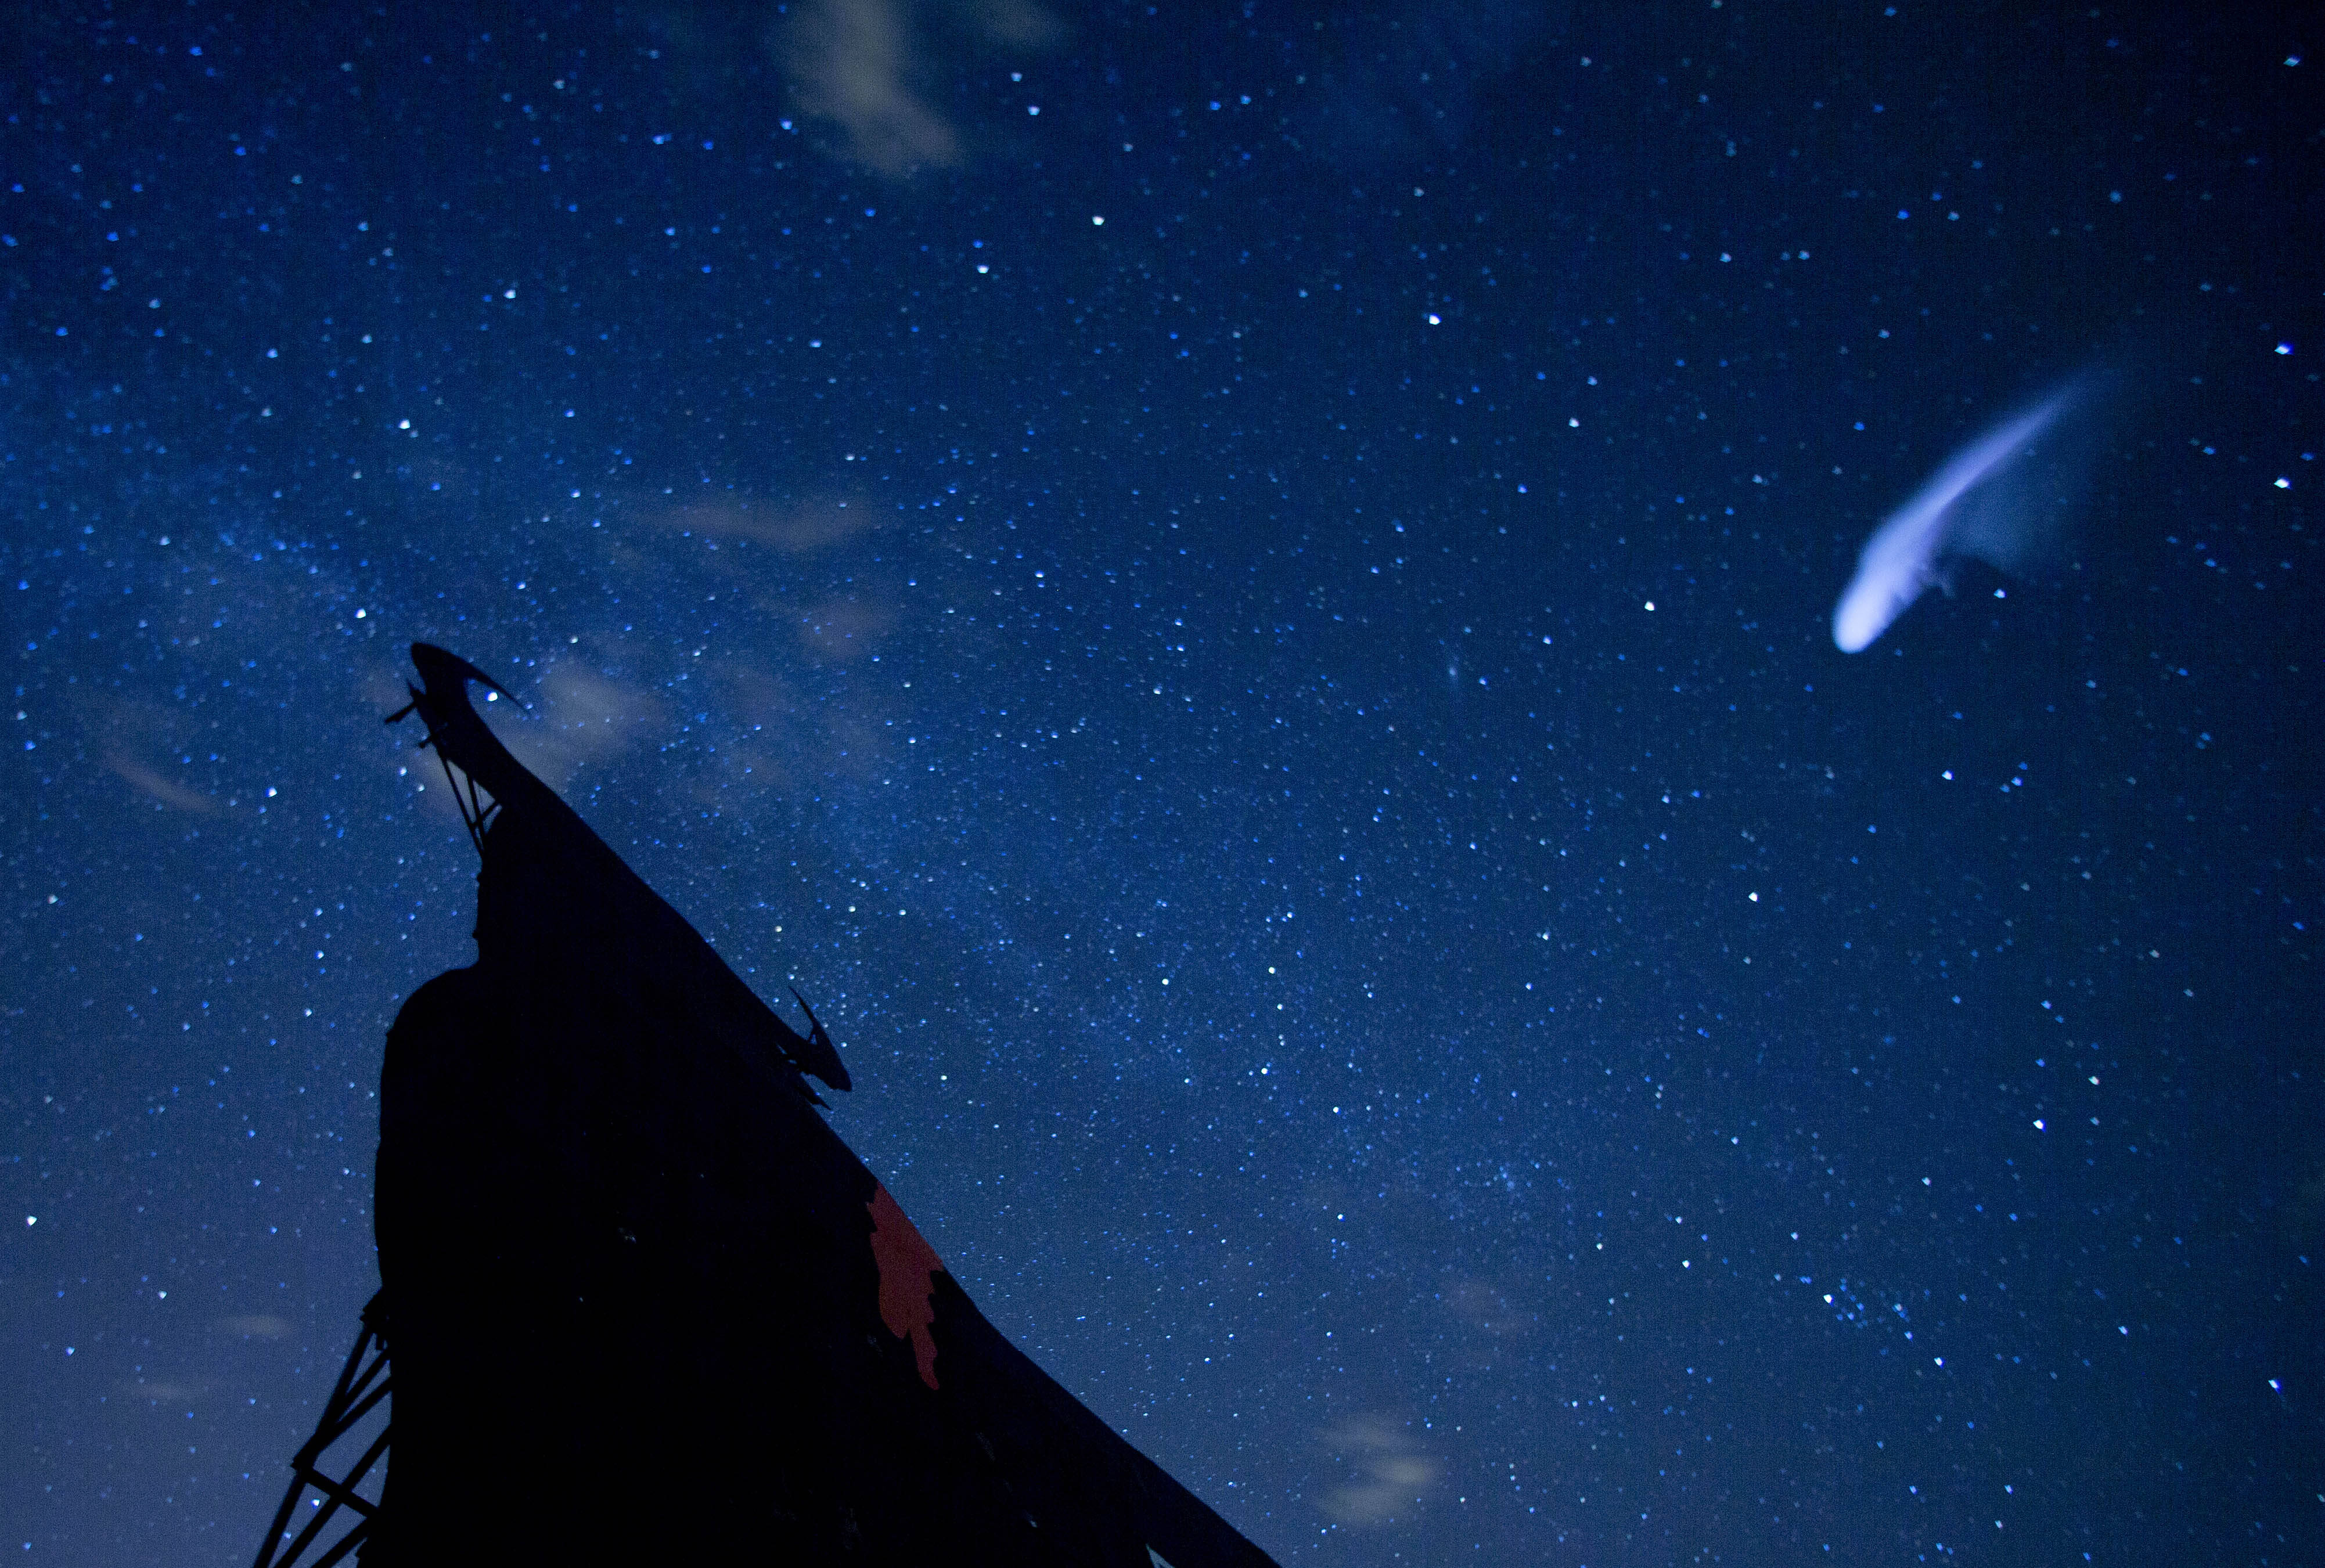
{"type": "Point", "coordinates": [364, 1384]}
{"type": "Point", "coordinates": [441, 700]}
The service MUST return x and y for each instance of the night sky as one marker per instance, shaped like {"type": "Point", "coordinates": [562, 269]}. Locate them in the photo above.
{"type": "Point", "coordinates": [1241, 597]}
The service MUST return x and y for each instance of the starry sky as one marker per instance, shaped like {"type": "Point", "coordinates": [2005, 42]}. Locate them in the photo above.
{"type": "Point", "coordinates": [1240, 594]}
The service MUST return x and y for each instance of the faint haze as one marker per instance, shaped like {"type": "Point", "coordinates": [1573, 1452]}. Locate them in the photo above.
{"type": "Point", "coordinates": [868, 70]}
{"type": "Point", "coordinates": [1391, 1470]}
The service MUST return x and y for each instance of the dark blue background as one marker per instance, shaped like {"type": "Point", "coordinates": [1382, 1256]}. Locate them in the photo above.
{"type": "Point", "coordinates": [1292, 733]}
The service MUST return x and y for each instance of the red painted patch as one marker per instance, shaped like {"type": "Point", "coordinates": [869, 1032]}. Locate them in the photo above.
{"type": "Point", "coordinates": [908, 1270]}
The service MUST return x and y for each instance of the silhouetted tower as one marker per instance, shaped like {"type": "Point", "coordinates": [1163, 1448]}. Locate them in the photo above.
{"type": "Point", "coordinates": [642, 1303]}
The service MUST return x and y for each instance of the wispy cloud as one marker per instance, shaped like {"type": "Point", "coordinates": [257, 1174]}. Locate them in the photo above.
{"type": "Point", "coordinates": [852, 64]}
{"type": "Point", "coordinates": [152, 783]}
{"type": "Point", "coordinates": [255, 1325]}
{"type": "Point", "coordinates": [861, 66]}
{"type": "Point", "coordinates": [1391, 1470]}
{"type": "Point", "coordinates": [804, 525]}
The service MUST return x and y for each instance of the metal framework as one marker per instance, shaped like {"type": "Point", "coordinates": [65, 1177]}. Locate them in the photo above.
{"type": "Point", "coordinates": [364, 1383]}
{"type": "Point", "coordinates": [477, 809]}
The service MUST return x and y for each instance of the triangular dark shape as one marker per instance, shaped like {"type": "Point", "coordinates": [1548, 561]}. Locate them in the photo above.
{"type": "Point", "coordinates": [644, 1305]}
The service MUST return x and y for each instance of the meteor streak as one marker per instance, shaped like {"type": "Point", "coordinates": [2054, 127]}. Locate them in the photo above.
{"type": "Point", "coordinates": [1969, 507]}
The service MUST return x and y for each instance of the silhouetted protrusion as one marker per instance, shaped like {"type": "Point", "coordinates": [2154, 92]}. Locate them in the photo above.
{"type": "Point", "coordinates": [461, 741]}
{"type": "Point", "coordinates": [647, 1306]}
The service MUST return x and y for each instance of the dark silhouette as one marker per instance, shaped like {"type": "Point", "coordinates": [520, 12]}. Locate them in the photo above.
{"type": "Point", "coordinates": [643, 1304]}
